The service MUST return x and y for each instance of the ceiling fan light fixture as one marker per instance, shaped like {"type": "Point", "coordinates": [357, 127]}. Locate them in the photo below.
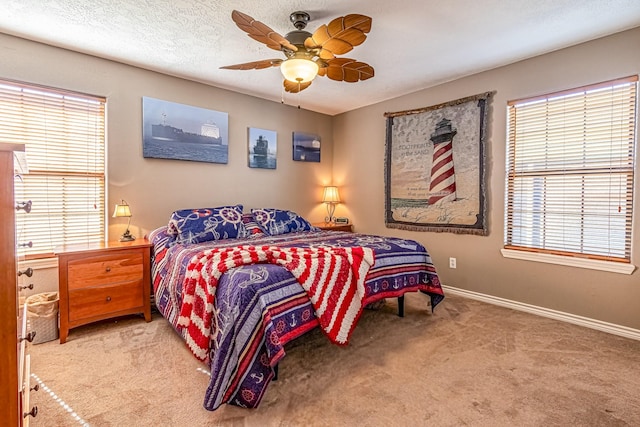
{"type": "Point", "coordinates": [309, 54]}
{"type": "Point", "coordinates": [299, 70]}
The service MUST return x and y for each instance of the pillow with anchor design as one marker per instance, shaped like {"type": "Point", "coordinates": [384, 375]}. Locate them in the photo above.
{"type": "Point", "coordinates": [274, 222]}
{"type": "Point", "coordinates": [189, 226]}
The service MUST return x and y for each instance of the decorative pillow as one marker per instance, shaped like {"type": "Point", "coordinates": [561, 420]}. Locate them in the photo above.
{"type": "Point", "coordinates": [275, 221]}
{"type": "Point", "coordinates": [250, 225]}
{"type": "Point", "coordinates": [205, 224]}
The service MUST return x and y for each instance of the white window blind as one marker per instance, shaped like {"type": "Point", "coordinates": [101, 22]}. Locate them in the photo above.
{"type": "Point", "coordinates": [64, 137]}
{"type": "Point", "coordinates": [570, 172]}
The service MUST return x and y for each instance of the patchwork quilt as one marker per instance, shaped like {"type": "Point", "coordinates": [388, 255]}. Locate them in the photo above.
{"type": "Point", "coordinates": [254, 309]}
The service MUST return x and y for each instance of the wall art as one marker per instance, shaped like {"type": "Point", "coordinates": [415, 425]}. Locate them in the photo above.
{"type": "Point", "coordinates": [183, 132]}
{"type": "Point", "coordinates": [262, 148]}
{"type": "Point", "coordinates": [435, 167]}
{"type": "Point", "coordinates": [306, 147]}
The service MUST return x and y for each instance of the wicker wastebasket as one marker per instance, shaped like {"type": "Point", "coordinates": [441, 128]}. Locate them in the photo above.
{"type": "Point", "coordinates": [42, 316]}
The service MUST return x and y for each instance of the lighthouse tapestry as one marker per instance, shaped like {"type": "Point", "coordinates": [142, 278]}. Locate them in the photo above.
{"type": "Point", "coordinates": [434, 167]}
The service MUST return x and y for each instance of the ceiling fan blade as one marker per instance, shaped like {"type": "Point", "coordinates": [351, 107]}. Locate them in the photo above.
{"type": "Point", "coordinates": [347, 70]}
{"type": "Point", "coordinates": [295, 87]}
{"type": "Point", "coordinates": [255, 65]}
{"type": "Point", "coordinates": [260, 32]}
{"type": "Point", "coordinates": [340, 36]}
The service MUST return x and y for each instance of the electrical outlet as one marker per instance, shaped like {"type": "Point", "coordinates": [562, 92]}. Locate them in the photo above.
{"type": "Point", "coordinates": [452, 263]}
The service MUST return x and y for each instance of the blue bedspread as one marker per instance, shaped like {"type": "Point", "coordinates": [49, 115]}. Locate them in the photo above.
{"type": "Point", "coordinates": [259, 308]}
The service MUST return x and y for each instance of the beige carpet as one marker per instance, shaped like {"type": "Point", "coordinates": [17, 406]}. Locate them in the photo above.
{"type": "Point", "coordinates": [469, 363]}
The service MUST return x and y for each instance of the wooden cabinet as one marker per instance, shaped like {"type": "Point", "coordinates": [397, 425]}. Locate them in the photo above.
{"type": "Point", "coordinates": [333, 226]}
{"type": "Point", "coordinates": [102, 281]}
{"type": "Point", "coordinates": [14, 361]}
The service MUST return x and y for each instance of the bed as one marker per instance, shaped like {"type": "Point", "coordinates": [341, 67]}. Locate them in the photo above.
{"type": "Point", "coordinates": [259, 307]}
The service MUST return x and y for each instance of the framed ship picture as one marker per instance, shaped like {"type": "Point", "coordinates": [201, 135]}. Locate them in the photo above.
{"type": "Point", "coordinates": [306, 147]}
{"type": "Point", "coordinates": [262, 147]}
{"type": "Point", "coordinates": [183, 132]}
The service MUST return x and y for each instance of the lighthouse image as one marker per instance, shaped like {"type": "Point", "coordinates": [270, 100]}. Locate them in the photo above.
{"type": "Point", "coordinates": [443, 178]}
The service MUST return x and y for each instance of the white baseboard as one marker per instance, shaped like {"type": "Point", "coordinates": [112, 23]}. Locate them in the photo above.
{"type": "Point", "coordinates": [611, 328]}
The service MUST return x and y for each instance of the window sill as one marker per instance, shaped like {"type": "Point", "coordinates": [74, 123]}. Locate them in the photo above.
{"type": "Point", "coordinates": [612, 267]}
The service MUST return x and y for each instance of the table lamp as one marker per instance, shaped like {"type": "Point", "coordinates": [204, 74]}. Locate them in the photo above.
{"type": "Point", "coordinates": [123, 210]}
{"type": "Point", "coordinates": [331, 197]}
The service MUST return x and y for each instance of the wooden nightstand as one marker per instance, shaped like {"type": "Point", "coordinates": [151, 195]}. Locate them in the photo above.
{"type": "Point", "coordinates": [101, 281]}
{"type": "Point", "coordinates": [333, 226]}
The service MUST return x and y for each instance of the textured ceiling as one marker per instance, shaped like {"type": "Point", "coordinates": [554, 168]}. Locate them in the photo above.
{"type": "Point", "coordinates": [413, 44]}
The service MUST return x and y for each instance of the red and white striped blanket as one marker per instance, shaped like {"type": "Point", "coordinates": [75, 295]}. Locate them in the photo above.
{"type": "Point", "coordinates": [333, 277]}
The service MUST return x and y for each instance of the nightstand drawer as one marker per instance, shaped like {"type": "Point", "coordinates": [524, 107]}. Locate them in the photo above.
{"type": "Point", "coordinates": [105, 269]}
{"type": "Point", "coordinates": [101, 300]}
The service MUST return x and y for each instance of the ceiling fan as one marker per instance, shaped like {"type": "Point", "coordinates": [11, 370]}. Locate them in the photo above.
{"type": "Point", "coordinates": [308, 55]}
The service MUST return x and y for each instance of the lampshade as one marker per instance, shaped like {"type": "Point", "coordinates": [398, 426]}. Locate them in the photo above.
{"type": "Point", "coordinates": [122, 210]}
{"type": "Point", "coordinates": [331, 195]}
{"type": "Point", "coordinates": [299, 70]}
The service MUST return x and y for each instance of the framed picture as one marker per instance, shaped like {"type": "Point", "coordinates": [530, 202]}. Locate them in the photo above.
{"type": "Point", "coordinates": [435, 167]}
{"type": "Point", "coordinates": [306, 147]}
{"type": "Point", "coordinates": [183, 132]}
{"type": "Point", "coordinates": [262, 148]}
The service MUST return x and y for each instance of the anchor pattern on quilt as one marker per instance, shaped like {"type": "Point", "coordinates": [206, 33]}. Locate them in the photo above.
{"type": "Point", "coordinates": [333, 278]}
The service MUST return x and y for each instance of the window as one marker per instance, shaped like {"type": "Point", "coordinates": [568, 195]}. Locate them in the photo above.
{"type": "Point", "coordinates": [64, 138]}
{"type": "Point", "coordinates": [570, 171]}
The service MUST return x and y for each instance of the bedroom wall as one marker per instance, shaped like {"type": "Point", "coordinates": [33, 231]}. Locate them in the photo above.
{"type": "Point", "coordinates": [155, 187]}
{"type": "Point", "coordinates": [608, 297]}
